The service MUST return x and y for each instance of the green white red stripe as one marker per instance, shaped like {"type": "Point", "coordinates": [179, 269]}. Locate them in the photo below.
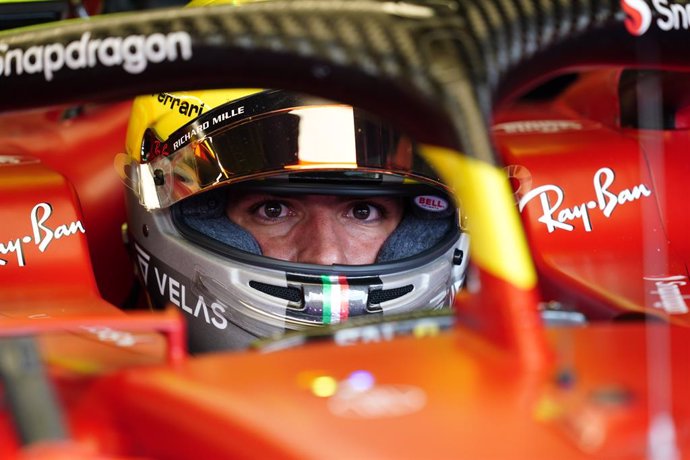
{"type": "Point", "coordinates": [336, 304]}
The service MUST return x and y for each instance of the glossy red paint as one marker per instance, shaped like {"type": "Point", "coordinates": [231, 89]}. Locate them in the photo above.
{"type": "Point", "coordinates": [486, 389]}
{"type": "Point", "coordinates": [75, 146]}
{"type": "Point", "coordinates": [627, 183]}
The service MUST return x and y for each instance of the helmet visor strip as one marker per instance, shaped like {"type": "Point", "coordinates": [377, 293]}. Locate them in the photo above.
{"type": "Point", "coordinates": [243, 140]}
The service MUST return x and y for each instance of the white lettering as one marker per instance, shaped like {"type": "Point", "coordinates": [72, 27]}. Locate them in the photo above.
{"type": "Point", "coordinates": [161, 281]}
{"type": "Point", "coordinates": [673, 17]}
{"type": "Point", "coordinates": [364, 334]}
{"type": "Point", "coordinates": [75, 52]}
{"type": "Point", "coordinates": [177, 294]}
{"type": "Point", "coordinates": [201, 305]}
{"type": "Point", "coordinates": [183, 298]}
{"type": "Point", "coordinates": [54, 59]}
{"type": "Point", "coordinates": [155, 48]}
{"type": "Point", "coordinates": [380, 401]}
{"type": "Point", "coordinates": [12, 247]}
{"type": "Point", "coordinates": [667, 23]}
{"type": "Point", "coordinates": [133, 53]}
{"type": "Point", "coordinates": [606, 201]}
{"type": "Point", "coordinates": [219, 319]}
{"type": "Point", "coordinates": [3, 49]}
{"type": "Point", "coordinates": [108, 51]}
{"type": "Point", "coordinates": [196, 131]}
{"type": "Point", "coordinates": [106, 334]}
{"type": "Point", "coordinates": [32, 59]}
{"type": "Point", "coordinates": [671, 299]}
{"type": "Point", "coordinates": [174, 290]}
{"type": "Point", "coordinates": [93, 49]}
{"type": "Point", "coordinates": [44, 235]}
{"type": "Point", "coordinates": [15, 55]}
{"type": "Point", "coordinates": [228, 114]}
{"type": "Point", "coordinates": [538, 126]}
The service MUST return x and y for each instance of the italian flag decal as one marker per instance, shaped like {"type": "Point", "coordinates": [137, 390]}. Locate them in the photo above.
{"type": "Point", "coordinates": [336, 303]}
{"type": "Point", "coordinates": [331, 299]}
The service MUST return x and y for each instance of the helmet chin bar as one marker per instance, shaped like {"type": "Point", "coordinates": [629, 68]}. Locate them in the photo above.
{"type": "Point", "coordinates": [267, 302]}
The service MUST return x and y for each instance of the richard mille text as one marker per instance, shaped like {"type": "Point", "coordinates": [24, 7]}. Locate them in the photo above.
{"type": "Point", "coordinates": [606, 200]}
{"type": "Point", "coordinates": [43, 233]}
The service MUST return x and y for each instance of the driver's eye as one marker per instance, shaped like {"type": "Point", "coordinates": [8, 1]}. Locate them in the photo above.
{"type": "Point", "coordinates": [272, 209]}
{"type": "Point", "coordinates": [361, 211]}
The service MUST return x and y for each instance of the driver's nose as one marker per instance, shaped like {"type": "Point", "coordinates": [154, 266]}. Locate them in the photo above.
{"type": "Point", "coordinates": [321, 241]}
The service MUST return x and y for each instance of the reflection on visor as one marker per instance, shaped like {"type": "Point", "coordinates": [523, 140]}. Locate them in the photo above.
{"type": "Point", "coordinates": [318, 142]}
{"type": "Point", "coordinates": [240, 141]}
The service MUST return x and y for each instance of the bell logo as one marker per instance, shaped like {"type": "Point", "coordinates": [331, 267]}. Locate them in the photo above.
{"type": "Point", "coordinates": [431, 203]}
{"type": "Point", "coordinates": [639, 16]}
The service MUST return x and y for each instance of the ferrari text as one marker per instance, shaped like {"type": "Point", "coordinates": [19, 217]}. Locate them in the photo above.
{"type": "Point", "coordinates": [133, 53]}
{"type": "Point", "coordinates": [42, 234]}
{"type": "Point", "coordinates": [606, 201]}
{"type": "Point", "coordinates": [184, 107]}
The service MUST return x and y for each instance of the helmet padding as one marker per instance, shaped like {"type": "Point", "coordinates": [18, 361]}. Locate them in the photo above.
{"type": "Point", "coordinates": [205, 213]}
{"type": "Point", "coordinates": [413, 235]}
{"type": "Point", "coordinates": [417, 232]}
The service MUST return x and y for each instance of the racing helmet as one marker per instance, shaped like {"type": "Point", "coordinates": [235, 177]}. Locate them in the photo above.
{"type": "Point", "coordinates": [190, 153]}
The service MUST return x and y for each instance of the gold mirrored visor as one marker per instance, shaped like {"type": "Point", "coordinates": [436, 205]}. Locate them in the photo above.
{"type": "Point", "coordinates": [271, 134]}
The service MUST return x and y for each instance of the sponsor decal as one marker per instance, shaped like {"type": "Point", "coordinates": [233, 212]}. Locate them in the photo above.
{"type": "Point", "coordinates": [331, 299]}
{"type": "Point", "coordinates": [133, 53]}
{"type": "Point", "coordinates": [42, 236]}
{"type": "Point", "coordinates": [672, 15]}
{"type": "Point", "coordinates": [538, 126]}
{"type": "Point", "coordinates": [638, 16]}
{"type": "Point", "coordinates": [336, 305]}
{"type": "Point", "coordinates": [183, 106]}
{"type": "Point", "coordinates": [360, 396]}
{"type": "Point", "coordinates": [39, 316]}
{"type": "Point", "coordinates": [431, 203]}
{"type": "Point", "coordinates": [171, 288]}
{"type": "Point", "coordinates": [106, 334]}
{"type": "Point", "coordinates": [384, 332]}
{"type": "Point", "coordinates": [193, 131]}
{"type": "Point", "coordinates": [197, 131]}
{"type": "Point", "coordinates": [668, 288]}
{"type": "Point", "coordinates": [12, 160]}
{"type": "Point", "coordinates": [377, 401]}
{"type": "Point", "coordinates": [605, 200]}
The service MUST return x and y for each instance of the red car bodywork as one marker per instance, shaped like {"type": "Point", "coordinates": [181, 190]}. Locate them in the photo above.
{"type": "Point", "coordinates": [608, 221]}
{"type": "Point", "coordinates": [605, 390]}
